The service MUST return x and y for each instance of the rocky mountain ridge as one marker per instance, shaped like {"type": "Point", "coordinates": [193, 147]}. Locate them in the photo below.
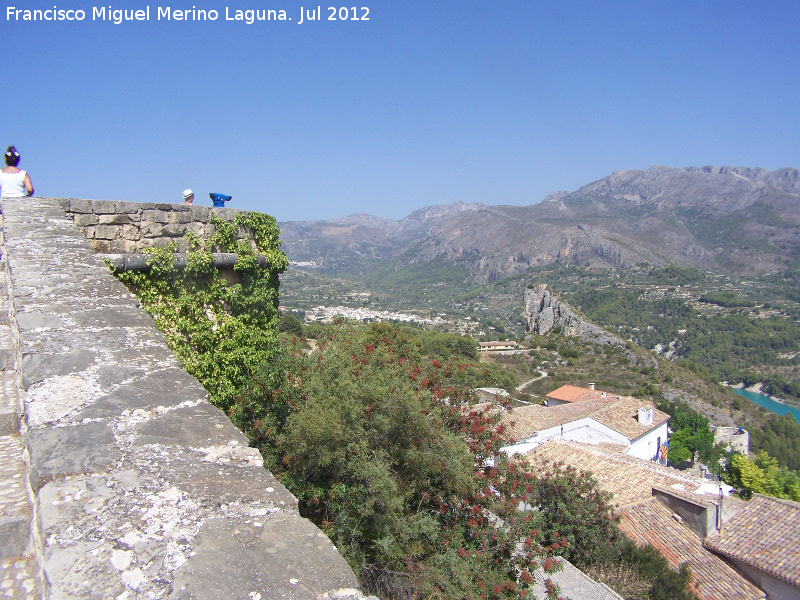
{"type": "Point", "coordinates": [736, 219]}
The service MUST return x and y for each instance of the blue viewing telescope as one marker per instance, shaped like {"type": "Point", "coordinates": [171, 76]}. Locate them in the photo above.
{"type": "Point", "coordinates": [219, 199]}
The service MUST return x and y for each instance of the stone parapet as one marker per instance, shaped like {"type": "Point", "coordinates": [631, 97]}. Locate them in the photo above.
{"type": "Point", "coordinates": [130, 227]}
{"type": "Point", "coordinates": [136, 486]}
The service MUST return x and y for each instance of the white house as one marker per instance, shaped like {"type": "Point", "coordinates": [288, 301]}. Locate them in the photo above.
{"type": "Point", "coordinates": [635, 426]}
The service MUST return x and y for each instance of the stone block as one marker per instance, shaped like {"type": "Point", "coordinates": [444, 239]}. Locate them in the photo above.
{"type": "Point", "coordinates": [8, 350]}
{"type": "Point", "coordinates": [129, 246]}
{"type": "Point", "coordinates": [37, 367]}
{"type": "Point", "coordinates": [115, 219]}
{"type": "Point", "coordinates": [62, 451]}
{"type": "Point", "coordinates": [200, 214]}
{"type": "Point", "coordinates": [130, 232]}
{"type": "Point", "coordinates": [83, 220]}
{"type": "Point", "coordinates": [101, 246]}
{"type": "Point", "coordinates": [203, 231]}
{"type": "Point", "coordinates": [132, 209]}
{"type": "Point", "coordinates": [226, 214]}
{"type": "Point", "coordinates": [150, 229]}
{"type": "Point", "coordinates": [15, 534]}
{"type": "Point", "coordinates": [80, 206]}
{"type": "Point", "coordinates": [181, 217]}
{"type": "Point", "coordinates": [153, 392]}
{"type": "Point", "coordinates": [35, 320]}
{"type": "Point", "coordinates": [173, 230]}
{"type": "Point", "coordinates": [153, 216]}
{"type": "Point", "coordinates": [104, 207]}
{"type": "Point", "coordinates": [198, 425]}
{"type": "Point", "coordinates": [9, 403]}
{"type": "Point", "coordinates": [107, 232]}
{"type": "Point", "coordinates": [15, 510]}
{"type": "Point", "coordinates": [279, 556]}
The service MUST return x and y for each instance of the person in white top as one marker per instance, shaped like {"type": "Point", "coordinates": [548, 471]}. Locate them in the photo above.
{"type": "Point", "coordinates": [14, 182]}
{"type": "Point", "coordinates": [188, 197]}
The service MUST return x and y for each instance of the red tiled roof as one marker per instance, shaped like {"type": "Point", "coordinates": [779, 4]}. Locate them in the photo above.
{"type": "Point", "coordinates": [572, 393]}
{"type": "Point", "coordinates": [765, 535]}
{"type": "Point", "coordinates": [629, 479]}
{"type": "Point", "coordinates": [621, 415]}
{"type": "Point", "coordinates": [646, 520]}
{"type": "Point", "coordinates": [653, 523]}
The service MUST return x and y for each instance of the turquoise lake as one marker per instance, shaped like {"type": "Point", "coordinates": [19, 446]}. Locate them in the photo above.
{"type": "Point", "coordinates": [769, 403]}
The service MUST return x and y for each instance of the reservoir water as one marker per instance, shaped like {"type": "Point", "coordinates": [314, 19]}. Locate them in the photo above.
{"type": "Point", "coordinates": [769, 403]}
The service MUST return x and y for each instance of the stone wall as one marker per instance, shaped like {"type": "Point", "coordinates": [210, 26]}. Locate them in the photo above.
{"type": "Point", "coordinates": [118, 478]}
{"type": "Point", "coordinates": [732, 439]}
{"type": "Point", "coordinates": [129, 227]}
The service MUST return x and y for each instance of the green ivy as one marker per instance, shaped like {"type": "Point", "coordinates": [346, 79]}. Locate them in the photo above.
{"type": "Point", "coordinates": [220, 332]}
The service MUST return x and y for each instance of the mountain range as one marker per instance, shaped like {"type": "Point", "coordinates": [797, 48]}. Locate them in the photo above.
{"type": "Point", "coordinates": [729, 219]}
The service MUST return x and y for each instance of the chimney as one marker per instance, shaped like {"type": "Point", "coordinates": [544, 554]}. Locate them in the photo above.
{"type": "Point", "coordinates": [645, 416]}
{"type": "Point", "coordinates": [591, 386]}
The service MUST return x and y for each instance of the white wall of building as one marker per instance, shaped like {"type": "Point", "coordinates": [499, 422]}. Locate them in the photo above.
{"type": "Point", "coordinates": [646, 446]}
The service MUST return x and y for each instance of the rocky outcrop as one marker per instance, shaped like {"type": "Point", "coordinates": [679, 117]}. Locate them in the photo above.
{"type": "Point", "coordinates": [118, 479]}
{"type": "Point", "coordinates": [544, 312]}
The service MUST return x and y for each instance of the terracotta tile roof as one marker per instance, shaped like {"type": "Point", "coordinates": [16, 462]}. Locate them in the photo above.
{"type": "Point", "coordinates": [646, 520]}
{"type": "Point", "coordinates": [621, 415]}
{"type": "Point", "coordinates": [765, 535]}
{"type": "Point", "coordinates": [629, 479]}
{"type": "Point", "coordinates": [531, 419]}
{"type": "Point", "coordinates": [573, 393]}
{"type": "Point", "coordinates": [653, 523]}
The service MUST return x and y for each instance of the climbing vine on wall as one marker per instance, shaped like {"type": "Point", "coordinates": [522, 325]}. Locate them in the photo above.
{"type": "Point", "coordinates": [220, 332]}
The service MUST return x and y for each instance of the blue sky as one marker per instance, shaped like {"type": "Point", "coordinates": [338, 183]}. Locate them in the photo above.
{"type": "Point", "coordinates": [501, 101]}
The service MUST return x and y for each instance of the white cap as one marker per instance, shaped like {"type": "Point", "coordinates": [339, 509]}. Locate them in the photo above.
{"type": "Point", "coordinates": [187, 194]}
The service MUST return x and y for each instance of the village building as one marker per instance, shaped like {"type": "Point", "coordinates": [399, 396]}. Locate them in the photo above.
{"type": "Point", "coordinates": [496, 346]}
{"type": "Point", "coordinates": [661, 506]}
{"type": "Point", "coordinates": [763, 542]}
{"type": "Point", "coordinates": [593, 417]}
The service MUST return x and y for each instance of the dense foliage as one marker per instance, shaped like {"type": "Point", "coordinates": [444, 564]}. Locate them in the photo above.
{"type": "Point", "coordinates": [220, 332]}
{"type": "Point", "coordinates": [762, 475]}
{"type": "Point", "coordinates": [780, 437]}
{"type": "Point", "coordinates": [692, 437]}
{"type": "Point", "coordinates": [386, 453]}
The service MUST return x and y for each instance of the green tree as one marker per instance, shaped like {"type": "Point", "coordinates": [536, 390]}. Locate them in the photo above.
{"type": "Point", "coordinates": [380, 449]}
{"type": "Point", "coordinates": [761, 475]}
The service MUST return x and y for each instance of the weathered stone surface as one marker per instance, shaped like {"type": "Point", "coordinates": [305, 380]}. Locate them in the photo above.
{"type": "Point", "coordinates": [274, 557]}
{"type": "Point", "coordinates": [221, 482]}
{"type": "Point", "coordinates": [79, 206]}
{"type": "Point", "coordinates": [116, 219]}
{"type": "Point", "coordinates": [19, 578]}
{"type": "Point", "coordinates": [107, 232]}
{"type": "Point", "coordinates": [61, 451]}
{"type": "Point", "coordinates": [15, 510]}
{"type": "Point", "coordinates": [7, 348]}
{"type": "Point", "coordinates": [9, 403]}
{"type": "Point", "coordinates": [193, 424]}
{"type": "Point", "coordinates": [544, 312]}
{"type": "Point", "coordinates": [131, 467]}
{"type": "Point", "coordinates": [33, 320]}
{"type": "Point", "coordinates": [39, 366]}
{"type": "Point", "coordinates": [86, 220]}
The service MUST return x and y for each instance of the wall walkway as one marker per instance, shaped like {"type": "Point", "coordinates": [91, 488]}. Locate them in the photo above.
{"type": "Point", "coordinates": [117, 478]}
